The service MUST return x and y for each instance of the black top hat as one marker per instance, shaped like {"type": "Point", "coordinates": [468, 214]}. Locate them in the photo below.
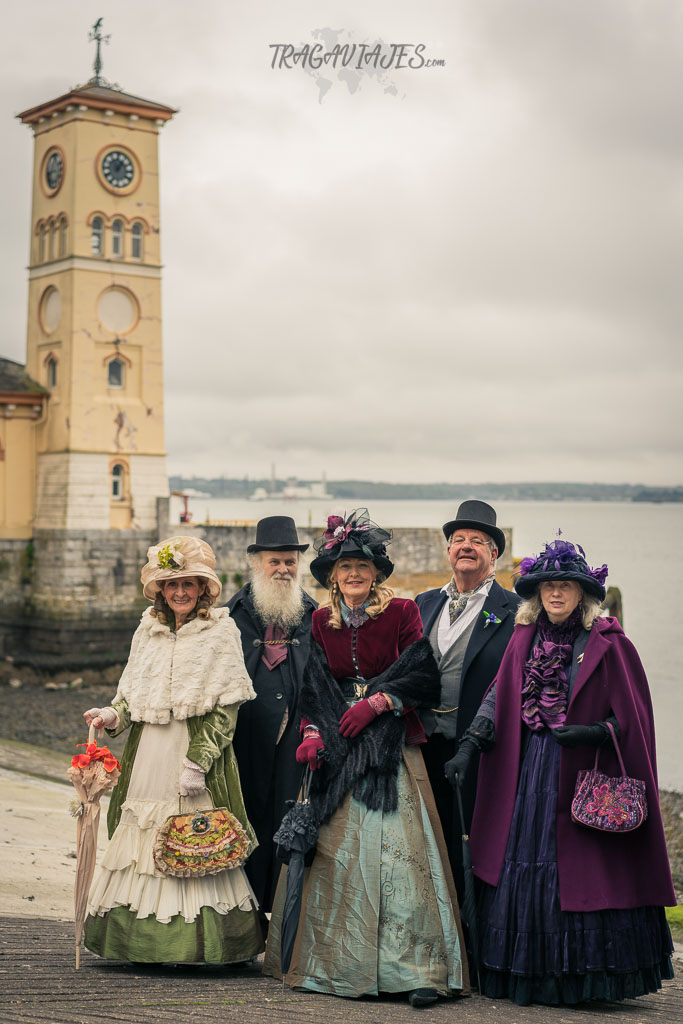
{"type": "Point", "coordinates": [477, 515]}
{"type": "Point", "coordinates": [276, 533]}
{"type": "Point", "coordinates": [354, 537]}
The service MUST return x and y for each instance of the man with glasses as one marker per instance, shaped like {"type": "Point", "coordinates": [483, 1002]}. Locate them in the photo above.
{"type": "Point", "coordinates": [469, 622]}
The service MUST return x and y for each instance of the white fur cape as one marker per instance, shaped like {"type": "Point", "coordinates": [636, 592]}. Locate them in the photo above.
{"type": "Point", "coordinates": [184, 673]}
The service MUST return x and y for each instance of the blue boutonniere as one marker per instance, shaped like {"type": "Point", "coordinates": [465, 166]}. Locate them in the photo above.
{"type": "Point", "coordinates": [491, 619]}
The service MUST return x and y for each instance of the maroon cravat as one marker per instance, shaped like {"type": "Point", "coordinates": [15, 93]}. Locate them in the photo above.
{"type": "Point", "coordinates": [275, 649]}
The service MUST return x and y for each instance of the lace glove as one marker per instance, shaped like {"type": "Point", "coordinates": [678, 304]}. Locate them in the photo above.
{"type": "Point", "coordinates": [595, 735]}
{"type": "Point", "coordinates": [309, 750]}
{"type": "Point", "coordinates": [479, 737]}
{"type": "Point", "coordinates": [192, 780]}
{"type": "Point", "coordinates": [102, 718]}
{"type": "Point", "coordinates": [357, 717]}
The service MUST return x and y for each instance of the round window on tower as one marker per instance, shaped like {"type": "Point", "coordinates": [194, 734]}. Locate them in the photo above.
{"type": "Point", "coordinates": [50, 310]}
{"type": "Point", "coordinates": [118, 170]}
{"type": "Point", "coordinates": [118, 310]}
{"type": "Point", "coordinates": [52, 171]}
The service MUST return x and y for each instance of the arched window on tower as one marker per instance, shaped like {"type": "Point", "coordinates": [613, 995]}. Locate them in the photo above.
{"type": "Point", "coordinates": [136, 236]}
{"type": "Point", "coordinates": [51, 371]}
{"type": "Point", "coordinates": [42, 239]}
{"type": "Point", "coordinates": [53, 239]}
{"type": "Point", "coordinates": [118, 473]}
{"type": "Point", "coordinates": [62, 235]}
{"type": "Point", "coordinates": [115, 373]}
{"type": "Point", "coordinates": [117, 238]}
{"type": "Point", "coordinates": [96, 232]}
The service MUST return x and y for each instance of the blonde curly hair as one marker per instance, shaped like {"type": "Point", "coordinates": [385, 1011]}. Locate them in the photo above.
{"type": "Point", "coordinates": [380, 597]}
{"type": "Point", "coordinates": [529, 610]}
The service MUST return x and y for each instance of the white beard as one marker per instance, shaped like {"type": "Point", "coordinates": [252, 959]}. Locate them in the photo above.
{"type": "Point", "coordinates": [275, 601]}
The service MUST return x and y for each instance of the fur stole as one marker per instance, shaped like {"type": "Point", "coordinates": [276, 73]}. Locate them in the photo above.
{"type": "Point", "coordinates": [185, 673]}
{"type": "Point", "coordinates": [367, 766]}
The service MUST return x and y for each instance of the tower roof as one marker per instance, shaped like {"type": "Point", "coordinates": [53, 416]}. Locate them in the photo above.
{"type": "Point", "coordinates": [14, 379]}
{"type": "Point", "coordinates": [99, 97]}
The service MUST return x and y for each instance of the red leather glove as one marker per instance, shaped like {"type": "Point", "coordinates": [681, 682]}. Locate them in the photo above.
{"type": "Point", "coordinates": [355, 719]}
{"type": "Point", "coordinates": [309, 751]}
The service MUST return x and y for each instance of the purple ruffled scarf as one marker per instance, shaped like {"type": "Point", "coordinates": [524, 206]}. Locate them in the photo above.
{"type": "Point", "coordinates": [545, 686]}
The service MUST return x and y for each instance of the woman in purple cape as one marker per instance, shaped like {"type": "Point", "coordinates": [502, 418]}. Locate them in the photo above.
{"type": "Point", "coordinates": [568, 913]}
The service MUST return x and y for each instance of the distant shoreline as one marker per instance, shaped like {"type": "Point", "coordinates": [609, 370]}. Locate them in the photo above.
{"type": "Point", "coordinates": [368, 490]}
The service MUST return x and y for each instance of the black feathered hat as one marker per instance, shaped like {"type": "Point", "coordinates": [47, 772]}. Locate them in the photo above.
{"type": "Point", "coordinates": [353, 536]}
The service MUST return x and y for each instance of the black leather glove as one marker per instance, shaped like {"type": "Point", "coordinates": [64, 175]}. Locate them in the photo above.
{"type": "Point", "coordinates": [480, 736]}
{"type": "Point", "coordinates": [586, 735]}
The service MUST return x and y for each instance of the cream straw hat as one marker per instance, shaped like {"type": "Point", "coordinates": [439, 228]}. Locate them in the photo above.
{"type": "Point", "coordinates": [178, 557]}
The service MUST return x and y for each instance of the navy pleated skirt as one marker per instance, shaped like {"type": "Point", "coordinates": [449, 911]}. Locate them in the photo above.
{"type": "Point", "coordinates": [531, 950]}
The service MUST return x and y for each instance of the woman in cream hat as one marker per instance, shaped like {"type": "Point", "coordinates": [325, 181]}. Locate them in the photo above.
{"type": "Point", "coordinates": [179, 695]}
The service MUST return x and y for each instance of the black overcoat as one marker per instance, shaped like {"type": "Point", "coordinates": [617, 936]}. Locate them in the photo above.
{"type": "Point", "coordinates": [269, 773]}
{"type": "Point", "coordinates": [482, 659]}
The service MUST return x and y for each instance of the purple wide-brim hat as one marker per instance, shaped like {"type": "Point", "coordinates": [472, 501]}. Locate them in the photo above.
{"type": "Point", "coordinates": [560, 560]}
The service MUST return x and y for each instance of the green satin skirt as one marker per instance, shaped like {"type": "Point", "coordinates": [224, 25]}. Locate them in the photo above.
{"type": "Point", "coordinates": [212, 938]}
{"type": "Point", "coordinates": [377, 914]}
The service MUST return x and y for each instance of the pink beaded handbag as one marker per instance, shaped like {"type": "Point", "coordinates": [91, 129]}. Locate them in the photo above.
{"type": "Point", "coordinates": [609, 803]}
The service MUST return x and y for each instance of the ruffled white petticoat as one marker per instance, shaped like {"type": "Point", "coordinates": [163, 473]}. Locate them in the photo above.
{"type": "Point", "coordinates": [127, 876]}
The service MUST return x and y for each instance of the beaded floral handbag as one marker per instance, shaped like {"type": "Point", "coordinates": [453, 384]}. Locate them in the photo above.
{"type": "Point", "coordinates": [200, 843]}
{"type": "Point", "coordinates": [609, 803]}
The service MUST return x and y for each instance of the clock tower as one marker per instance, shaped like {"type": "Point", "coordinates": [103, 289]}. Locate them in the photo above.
{"type": "Point", "coordinates": [94, 308]}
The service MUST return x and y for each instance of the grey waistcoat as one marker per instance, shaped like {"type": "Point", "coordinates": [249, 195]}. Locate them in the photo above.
{"type": "Point", "coordinates": [450, 666]}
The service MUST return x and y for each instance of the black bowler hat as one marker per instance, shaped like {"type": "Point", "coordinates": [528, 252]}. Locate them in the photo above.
{"type": "Point", "coordinates": [477, 515]}
{"type": "Point", "coordinates": [276, 533]}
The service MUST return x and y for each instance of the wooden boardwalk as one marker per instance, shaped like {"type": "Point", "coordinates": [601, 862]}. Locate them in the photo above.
{"type": "Point", "coordinates": [39, 985]}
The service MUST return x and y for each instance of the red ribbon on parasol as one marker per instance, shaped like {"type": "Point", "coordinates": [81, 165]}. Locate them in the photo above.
{"type": "Point", "coordinates": [93, 774]}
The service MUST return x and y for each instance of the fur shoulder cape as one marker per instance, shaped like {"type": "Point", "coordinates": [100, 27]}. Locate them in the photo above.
{"type": "Point", "coordinates": [186, 673]}
{"type": "Point", "coordinates": [367, 765]}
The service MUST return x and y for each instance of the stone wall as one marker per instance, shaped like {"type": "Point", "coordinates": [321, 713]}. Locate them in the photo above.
{"type": "Point", "coordinates": [419, 554]}
{"type": "Point", "coordinates": [72, 598]}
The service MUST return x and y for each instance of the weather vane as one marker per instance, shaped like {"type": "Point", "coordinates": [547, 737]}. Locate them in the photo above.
{"type": "Point", "coordinates": [96, 36]}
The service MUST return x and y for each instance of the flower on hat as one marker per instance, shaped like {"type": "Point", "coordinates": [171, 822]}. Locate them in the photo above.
{"type": "Point", "coordinates": [339, 529]}
{"type": "Point", "coordinates": [170, 558]}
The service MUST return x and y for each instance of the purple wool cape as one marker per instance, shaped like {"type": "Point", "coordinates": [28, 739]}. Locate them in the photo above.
{"type": "Point", "coordinates": [596, 870]}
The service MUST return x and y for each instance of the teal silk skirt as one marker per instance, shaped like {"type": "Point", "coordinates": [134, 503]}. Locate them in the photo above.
{"type": "Point", "coordinates": [377, 913]}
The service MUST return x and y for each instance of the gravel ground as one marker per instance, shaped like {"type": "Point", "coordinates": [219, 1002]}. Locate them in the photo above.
{"type": "Point", "coordinates": [53, 718]}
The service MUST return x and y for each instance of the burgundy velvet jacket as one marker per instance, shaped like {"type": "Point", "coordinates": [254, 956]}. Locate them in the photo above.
{"type": "Point", "coordinates": [596, 870]}
{"type": "Point", "coordinates": [378, 644]}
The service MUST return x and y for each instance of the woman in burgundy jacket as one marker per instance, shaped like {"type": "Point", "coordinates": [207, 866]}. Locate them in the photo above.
{"type": "Point", "coordinates": [379, 910]}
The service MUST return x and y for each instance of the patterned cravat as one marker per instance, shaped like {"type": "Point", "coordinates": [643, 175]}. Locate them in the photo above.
{"type": "Point", "coordinates": [275, 646]}
{"type": "Point", "coordinates": [458, 601]}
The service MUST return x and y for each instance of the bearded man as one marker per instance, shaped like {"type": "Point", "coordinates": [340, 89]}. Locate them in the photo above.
{"type": "Point", "coordinates": [273, 615]}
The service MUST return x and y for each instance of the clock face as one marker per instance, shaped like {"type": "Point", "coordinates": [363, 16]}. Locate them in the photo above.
{"type": "Point", "coordinates": [117, 168]}
{"type": "Point", "coordinates": [54, 168]}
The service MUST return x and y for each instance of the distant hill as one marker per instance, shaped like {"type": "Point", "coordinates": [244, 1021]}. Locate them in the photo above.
{"type": "Point", "coordinates": [227, 487]}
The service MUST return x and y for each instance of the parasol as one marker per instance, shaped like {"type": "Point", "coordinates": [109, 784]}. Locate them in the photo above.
{"type": "Point", "coordinates": [93, 774]}
{"type": "Point", "coordinates": [468, 907]}
{"type": "Point", "coordinates": [295, 842]}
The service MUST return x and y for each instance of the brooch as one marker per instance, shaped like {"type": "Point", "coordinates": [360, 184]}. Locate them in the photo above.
{"type": "Point", "coordinates": [491, 619]}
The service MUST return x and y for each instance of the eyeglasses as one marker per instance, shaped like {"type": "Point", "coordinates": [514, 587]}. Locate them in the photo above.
{"type": "Point", "coordinates": [476, 542]}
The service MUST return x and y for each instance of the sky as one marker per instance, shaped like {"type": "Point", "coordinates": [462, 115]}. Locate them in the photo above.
{"type": "Point", "coordinates": [469, 271]}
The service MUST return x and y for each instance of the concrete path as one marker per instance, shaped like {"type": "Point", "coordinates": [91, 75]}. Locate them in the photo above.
{"type": "Point", "coordinates": [39, 983]}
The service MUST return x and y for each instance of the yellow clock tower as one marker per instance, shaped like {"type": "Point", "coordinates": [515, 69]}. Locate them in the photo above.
{"type": "Point", "coordinates": [94, 309]}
